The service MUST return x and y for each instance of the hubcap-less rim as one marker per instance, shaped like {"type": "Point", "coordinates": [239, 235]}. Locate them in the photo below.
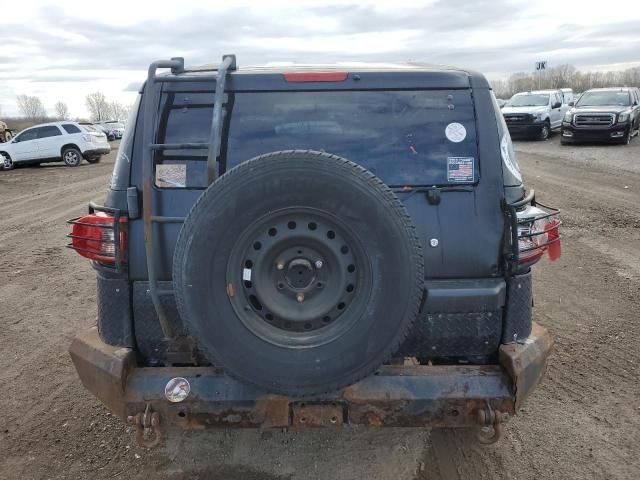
{"type": "Point", "coordinates": [298, 278]}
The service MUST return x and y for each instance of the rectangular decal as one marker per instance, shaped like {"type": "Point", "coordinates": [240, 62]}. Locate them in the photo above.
{"type": "Point", "coordinates": [460, 169]}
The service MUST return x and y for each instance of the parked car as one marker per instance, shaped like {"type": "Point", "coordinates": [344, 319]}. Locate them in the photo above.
{"type": "Point", "coordinates": [330, 224]}
{"type": "Point", "coordinates": [67, 142]}
{"type": "Point", "coordinates": [603, 115]}
{"type": "Point", "coordinates": [117, 128]}
{"type": "Point", "coordinates": [535, 114]}
{"type": "Point", "coordinates": [96, 127]}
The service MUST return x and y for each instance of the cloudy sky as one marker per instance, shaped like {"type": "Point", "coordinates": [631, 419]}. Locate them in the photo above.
{"type": "Point", "coordinates": [64, 50]}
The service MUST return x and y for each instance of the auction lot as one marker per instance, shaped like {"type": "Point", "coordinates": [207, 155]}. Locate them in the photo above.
{"type": "Point", "coordinates": [582, 422]}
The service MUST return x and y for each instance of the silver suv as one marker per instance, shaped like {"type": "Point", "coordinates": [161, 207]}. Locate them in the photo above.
{"type": "Point", "coordinates": [536, 113]}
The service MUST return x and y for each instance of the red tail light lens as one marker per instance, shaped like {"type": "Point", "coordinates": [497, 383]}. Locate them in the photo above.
{"type": "Point", "coordinates": [94, 237]}
{"type": "Point", "coordinates": [315, 76]}
{"type": "Point", "coordinates": [538, 233]}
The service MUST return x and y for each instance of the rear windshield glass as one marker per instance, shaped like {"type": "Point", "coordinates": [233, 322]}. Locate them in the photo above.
{"type": "Point", "coordinates": [70, 128]}
{"type": "Point", "coordinates": [404, 137]}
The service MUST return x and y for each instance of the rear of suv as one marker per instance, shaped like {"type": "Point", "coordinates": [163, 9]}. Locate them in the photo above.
{"type": "Point", "coordinates": [67, 142]}
{"type": "Point", "coordinates": [314, 246]}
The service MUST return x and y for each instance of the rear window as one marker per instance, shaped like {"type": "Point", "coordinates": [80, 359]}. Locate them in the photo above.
{"type": "Point", "coordinates": [420, 137]}
{"type": "Point", "coordinates": [70, 128]}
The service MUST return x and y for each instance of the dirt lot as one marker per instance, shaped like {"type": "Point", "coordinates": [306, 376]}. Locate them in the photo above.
{"type": "Point", "coordinates": [583, 422]}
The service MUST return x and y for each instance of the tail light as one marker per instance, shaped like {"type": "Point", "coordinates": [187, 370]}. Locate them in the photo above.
{"type": "Point", "coordinates": [538, 233]}
{"type": "Point", "coordinates": [315, 76]}
{"type": "Point", "coordinates": [100, 236]}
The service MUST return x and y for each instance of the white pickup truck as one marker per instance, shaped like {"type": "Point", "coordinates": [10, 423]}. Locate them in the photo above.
{"type": "Point", "coordinates": [536, 113]}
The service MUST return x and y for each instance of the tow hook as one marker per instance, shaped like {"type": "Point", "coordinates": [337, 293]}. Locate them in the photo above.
{"type": "Point", "coordinates": [146, 423]}
{"type": "Point", "coordinates": [490, 421]}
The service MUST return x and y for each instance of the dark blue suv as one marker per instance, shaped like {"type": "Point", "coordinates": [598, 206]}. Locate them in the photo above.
{"type": "Point", "coordinates": [314, 246]}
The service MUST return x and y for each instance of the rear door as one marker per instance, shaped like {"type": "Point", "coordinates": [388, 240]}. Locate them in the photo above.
{"type": "Point", "coordinates": [423, 143]}
{"type": "Point", "coordinates": [49, 141]}
{"type": "Point", "coordinates": [557, 109]}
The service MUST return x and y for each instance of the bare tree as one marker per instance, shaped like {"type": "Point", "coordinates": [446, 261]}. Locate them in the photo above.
{"type": "Point", "coordinates": [117, 111]}
{"type": "Point", "coordinates": [31, 107]}
{"type": "Point", "coordinates": [98, 106]}
{"type": "Point", "coordinates": [566, 76]}
{"type": "Point", "coordinates": [62, 111]}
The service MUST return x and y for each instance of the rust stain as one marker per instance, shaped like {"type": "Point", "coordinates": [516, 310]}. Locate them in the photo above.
{"type": "Point", "coordinates": [272, 411]}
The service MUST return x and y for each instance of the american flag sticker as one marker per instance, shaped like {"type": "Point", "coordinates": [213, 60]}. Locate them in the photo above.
{"type": "Point", "coordinates": [460, 169]}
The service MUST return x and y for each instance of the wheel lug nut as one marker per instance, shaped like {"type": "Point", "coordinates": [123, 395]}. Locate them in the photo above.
{"type": "Point", "coordinates": [319, 263]}
{"type": "Point", "coordinates": [300, 297]}
{"type": "Point", "coordinates": [280, 265]}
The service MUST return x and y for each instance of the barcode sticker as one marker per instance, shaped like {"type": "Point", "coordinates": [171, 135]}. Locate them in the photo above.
{"type": "Point", "coordinates": [246, 274]}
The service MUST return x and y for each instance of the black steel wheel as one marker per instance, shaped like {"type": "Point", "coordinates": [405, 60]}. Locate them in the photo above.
{"type": "Point", "coordinates": [299, 272]}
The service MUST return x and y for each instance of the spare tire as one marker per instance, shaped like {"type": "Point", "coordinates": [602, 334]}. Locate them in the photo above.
{"type": "Point", "coordinates": [299, 272]}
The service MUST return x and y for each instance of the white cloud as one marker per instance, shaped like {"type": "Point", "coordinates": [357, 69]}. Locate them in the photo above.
{"type": "Point", "coordinates": [65, 50]}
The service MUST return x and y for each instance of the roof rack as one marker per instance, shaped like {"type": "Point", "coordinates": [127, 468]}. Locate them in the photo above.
{"type": "Point", "coordinates": [152, 92]}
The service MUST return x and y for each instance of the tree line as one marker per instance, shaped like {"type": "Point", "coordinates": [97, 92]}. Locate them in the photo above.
{"type": "Point", "coordinates": [565, 76]}
{"type": "Point", "coordinates": [100, 108]}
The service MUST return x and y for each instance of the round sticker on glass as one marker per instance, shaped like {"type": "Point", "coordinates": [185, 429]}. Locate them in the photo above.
{"type": "Point", "coordinates": [455, 132]}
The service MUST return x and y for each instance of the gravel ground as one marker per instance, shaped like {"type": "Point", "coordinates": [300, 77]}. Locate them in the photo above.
{"type": "Point", "coordinates": [583, 421]}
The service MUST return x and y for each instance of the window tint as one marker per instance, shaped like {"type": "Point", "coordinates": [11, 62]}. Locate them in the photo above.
{"type": "Point", "coordinates": [404, 137]}
{"type": "Point", "coordinates": [27, 135]}
{"type": "Point", "coordinates": [50, 131]}
{"type": "Point", "coordinates": [71, 128]}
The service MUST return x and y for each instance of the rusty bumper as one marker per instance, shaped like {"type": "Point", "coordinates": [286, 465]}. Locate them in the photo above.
{"type": "Point", "coordinates": [415, 396]}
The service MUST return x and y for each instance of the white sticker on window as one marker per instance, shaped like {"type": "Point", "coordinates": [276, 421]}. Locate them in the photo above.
{"type": "Point", "coordinates": [171, 175]}
{"type": "Point", "coordinates": [246, 274]}
{"type": "Point", "coordinates": [455, 132]}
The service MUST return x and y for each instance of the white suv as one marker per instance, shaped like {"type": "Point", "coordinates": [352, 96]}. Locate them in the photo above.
{"type": "Point", "coordinates": [67, 142]}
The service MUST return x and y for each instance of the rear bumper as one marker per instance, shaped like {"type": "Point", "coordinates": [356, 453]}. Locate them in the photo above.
{"type": "Point", "coordinates": [96, 152]}
{"type": "Point", "coordinates": [416, 396]}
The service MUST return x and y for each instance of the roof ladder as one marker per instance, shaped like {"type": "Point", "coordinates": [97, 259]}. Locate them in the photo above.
{"type": "Point", "coordinates": [151, 106]}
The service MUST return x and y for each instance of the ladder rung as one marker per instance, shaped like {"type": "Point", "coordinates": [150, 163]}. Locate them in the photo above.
{"type": "Point", "coordinates": [179, 146]}
{"type": "Point", "coordinates": [161, 219]}
{"type": "Point", "coordinates": [190, 78]}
